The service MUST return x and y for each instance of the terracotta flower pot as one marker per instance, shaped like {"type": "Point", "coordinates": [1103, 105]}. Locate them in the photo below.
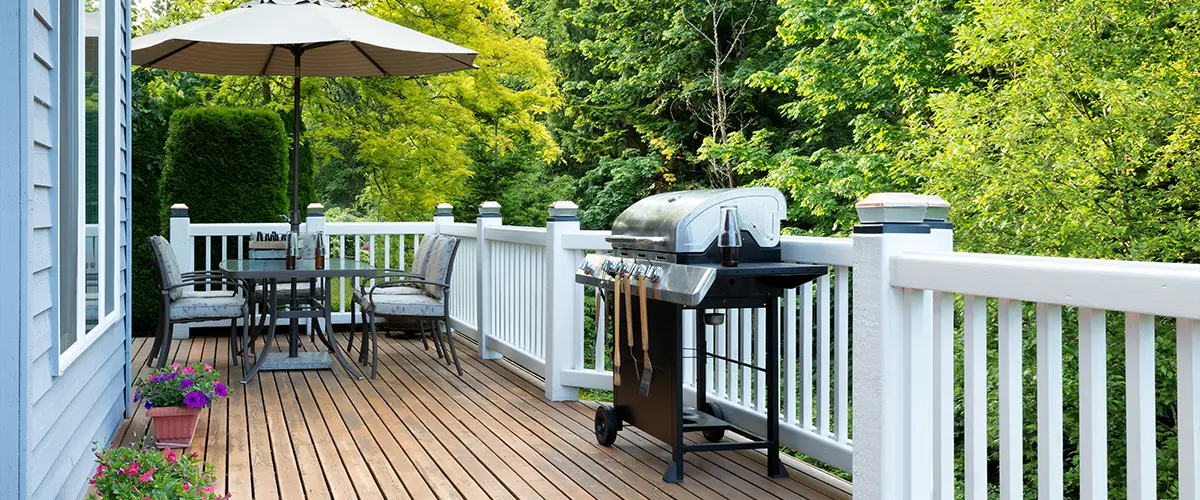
{"type": "Point", "coordinates": [174, 427]}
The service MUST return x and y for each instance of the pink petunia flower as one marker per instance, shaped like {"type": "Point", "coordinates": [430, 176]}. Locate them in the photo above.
{"type": "Point", "coordinates": [208, 368]}
{"type": "Point", "coordinates": [132, 470]}
{"type": "Point", "coordinates": [187, 370]}
{"type": "Point", "coordinates": [148, 476]}
{"type": "Point", "coordinates": [174, 366]}
{"type": "Point", "coordinates": [169, 455]}
{"type": "Point", "coordinates": [187, 486]}
{"type": "Point", "coordinates": [207, 489]}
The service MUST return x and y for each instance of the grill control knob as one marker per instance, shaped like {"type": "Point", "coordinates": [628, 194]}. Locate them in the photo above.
{"type": "Point", "coordinates": [626, 269]}
{"type": "Point", "coordinates": [587, 267]}
{"type": "Point", "coordinates": [654, 273]}
{"type": "Point", "coordinates": [637, 270]}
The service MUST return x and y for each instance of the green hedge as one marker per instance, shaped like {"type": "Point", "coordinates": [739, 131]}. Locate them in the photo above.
{"type": "Point", "coordinates": [228, 165]}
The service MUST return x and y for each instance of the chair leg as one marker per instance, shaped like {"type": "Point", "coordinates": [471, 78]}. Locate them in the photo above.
{"type": "Point", "coordinates": [424, 339]}
{"type": "Point", "coordinates": [165, 351]}
{"type": "Point", "coordinates": [453, 352]}
{"type": "Point", "coordinates": [245, 339]}
{"type": "Point", "coordinates": [374, 349]}
{"type": "Point", "coordinates": [437, 341]}
{"type": "Point", "coordinates": [233, 354]}
{"type": "Point", "coordinates": [353, 323]}
{"type": "Point", "coordinates": [362, 355]}
{"type": "Point", "coordinates": [158, 339]}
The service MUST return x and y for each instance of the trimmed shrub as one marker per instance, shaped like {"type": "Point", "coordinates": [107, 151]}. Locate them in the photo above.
{"type": "Point", "coordinates": [228, 165]}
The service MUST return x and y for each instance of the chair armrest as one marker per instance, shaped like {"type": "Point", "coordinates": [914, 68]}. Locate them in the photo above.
{"type": "Point", "coordinates": [193, 281]}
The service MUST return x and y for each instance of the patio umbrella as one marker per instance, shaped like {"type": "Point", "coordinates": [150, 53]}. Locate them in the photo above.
{"type": "Point", "coordinates": [273, 37]}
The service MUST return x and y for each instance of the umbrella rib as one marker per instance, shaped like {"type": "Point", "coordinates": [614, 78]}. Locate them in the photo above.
{"type": "Point", "coordinates": [267, 63]}
{"type": "Point", "coordinates": [469, 66]}
{"type": "Point", "coordinates": [369, 58]}
{"type": "Point", "coordinates": [169, 54]}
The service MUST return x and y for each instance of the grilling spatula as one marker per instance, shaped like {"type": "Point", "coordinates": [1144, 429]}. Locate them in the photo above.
{"type": "Point", "coordinates": [647, 368]}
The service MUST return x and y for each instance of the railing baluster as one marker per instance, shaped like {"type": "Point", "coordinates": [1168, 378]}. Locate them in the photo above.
{"type": "Point", "coordinates": [721, 348]}
{"type": "Point", "coordinates": [806, 356]}
{"type": "Point", "coordinates": [975, 373]}
{"type": "Point", "coordinates": [344, 302]}
{"type": "Point", "coordinates": [1011, 427]}
{"type": "Point", "coordinates": [1093, 405]}
{"type": "Point", "coordinates": [760, 358]}
{"type": "Point", "coordinates": [746, 353]}
{"type": "Point", "coordinates": [841, 350]}
{"type": "Point", "coordinates": [1187, 353]}
{"type": "Point", "coordinates": [789, 355]}
{"type": "Point", "coordinates": [357, 252]}
{"type": "Point", "coordinates": [1139, 405]}
{"type": "Point", "coordinates": [943, 395]}
{"type": "Point", "coordinates": [601, 331]}
{"type": "Point", "coordinates": [400, 264]}
{"type": "Point", "coordinates": [823, 369]}
{"type": "Point", "coordinates": [1050, 401]}
{"type": "Point", "coordinates": [387, 250]}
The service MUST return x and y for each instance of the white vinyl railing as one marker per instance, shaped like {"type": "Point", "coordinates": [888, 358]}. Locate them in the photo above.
{"type": "Point", "coordinates": [916, 306]}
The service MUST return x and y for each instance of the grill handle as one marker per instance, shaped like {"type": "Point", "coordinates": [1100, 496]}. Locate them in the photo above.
{"type": "Point", "coordinates": [636, 240]}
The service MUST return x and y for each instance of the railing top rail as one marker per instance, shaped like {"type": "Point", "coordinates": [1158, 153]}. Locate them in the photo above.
{"type": "Point", "coordinates": [1158, 289]}
{"type": "Point", "coordinates": [814, 250]}
{"type": "Point", "coordinates": [235, 229]}
{"type": "Point", "coordinates": [459, 229]}
{"type": "Point", "coordinates": [378, 227]}
{"type": "Point", "coordinates": [535, 236]}
{"type": "Point", "coordinates": [587, 240]}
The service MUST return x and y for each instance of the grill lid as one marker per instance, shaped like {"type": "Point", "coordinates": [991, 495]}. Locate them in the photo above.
{"type": "Point", "coordinates": [690, 221]}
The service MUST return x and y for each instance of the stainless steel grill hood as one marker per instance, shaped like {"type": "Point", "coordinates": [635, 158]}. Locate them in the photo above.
{"type": "Point", "coordinates": [688, 222]}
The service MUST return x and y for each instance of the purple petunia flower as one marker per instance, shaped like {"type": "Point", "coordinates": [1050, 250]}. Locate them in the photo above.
{"type": "Point", "coordinates": [185, 384]}
{"type": "Point", "coordinates": [220, 389]}
{"type": "Point", "coordinates": [195, 399]}
{"type": "Point", "coordinates": [149, 404]}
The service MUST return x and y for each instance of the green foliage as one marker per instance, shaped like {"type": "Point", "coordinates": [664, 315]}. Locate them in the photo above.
{"type": "Point", "coordinates": [142, 472]}
{"type": "Point", "coordinates": [518, 180]}
{"type": "Point", "coordinates": [156, 95]}
{"type": "Point", "coordinates": [228, 165]}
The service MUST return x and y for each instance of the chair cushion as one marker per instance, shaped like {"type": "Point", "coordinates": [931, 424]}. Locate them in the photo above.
{"type": "Point", "coordinates": [189, 308]}
{"type": "Point", "coordinates": [421, 256]}
{"type": "Point", "coordinates": [400, 290]}
{"type": "Point", "coordinates": [164, 255]}
{"type": "Point", "coordinates": [402, 305]}
{"type": "Point", "coordinates": [438, 267]}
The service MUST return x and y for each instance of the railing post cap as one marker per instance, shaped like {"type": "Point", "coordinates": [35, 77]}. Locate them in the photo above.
{"type": "Point", "coordinates": [316, 209]}
{"type": "Point", "coordinates": [563, 210]}
{"type": "Point", "coordinates": [443, 209]}
{"type": "Point", "coordinates": [179, 210]}
{"type": "Point", "coordinates": [888, 208]}
{"type": "Point", "coordinates": [489, 209]}
{"type": "Point", "coordinates": [937, 209]}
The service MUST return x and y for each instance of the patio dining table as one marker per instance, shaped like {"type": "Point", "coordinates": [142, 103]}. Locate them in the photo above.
{"type": "Point", "coordinates": [270, 273]}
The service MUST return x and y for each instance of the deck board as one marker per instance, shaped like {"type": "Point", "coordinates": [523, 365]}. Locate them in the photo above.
{"type": "Point", "coordinates": [419, 431]}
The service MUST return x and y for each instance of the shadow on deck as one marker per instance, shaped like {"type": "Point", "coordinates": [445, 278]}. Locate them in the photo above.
{"type": "Point", "coordinates": [418, 431]}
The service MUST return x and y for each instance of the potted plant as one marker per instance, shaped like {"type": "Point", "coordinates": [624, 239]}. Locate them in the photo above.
{"type": "Point", "coordinates": [140, 472]}
{"type": "Point", "coordinates": [173, 398]}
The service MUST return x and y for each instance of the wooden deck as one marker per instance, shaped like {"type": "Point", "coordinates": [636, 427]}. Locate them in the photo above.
{"type": "Point", "coordinates": [418, 431]}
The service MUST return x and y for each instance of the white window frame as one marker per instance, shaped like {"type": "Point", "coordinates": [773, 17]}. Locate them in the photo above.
{"type": "Point", "coordinates": [74, 61]}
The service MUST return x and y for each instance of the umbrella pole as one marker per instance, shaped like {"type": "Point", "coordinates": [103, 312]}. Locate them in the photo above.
{"type": "Point", "coordinates": [296, 143]}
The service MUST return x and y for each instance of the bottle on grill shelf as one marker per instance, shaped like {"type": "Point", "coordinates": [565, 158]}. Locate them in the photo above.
{"type": "Point", "coordinates": [290, 262]}
{"type": "Point", "coordinates": [320, 251]}
{"type": "Point", "coordinates": [730, 240]}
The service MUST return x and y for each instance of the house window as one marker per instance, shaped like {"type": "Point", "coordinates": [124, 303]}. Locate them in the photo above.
{"type": "Point", "coordinates": [86, 184]}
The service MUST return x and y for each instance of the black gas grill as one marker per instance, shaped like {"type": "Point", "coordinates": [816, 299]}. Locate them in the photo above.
{"type": "Point", "coordinates": [672, 246]}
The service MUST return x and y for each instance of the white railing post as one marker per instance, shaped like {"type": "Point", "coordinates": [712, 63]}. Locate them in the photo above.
{"type": "Point", "coordinates": [181, 243]}
{"type": "Point", "coordinates": [563, 330]}
{"type": "Point", "coordinates": [489, 216]}
{"type": "Point", "coordinates": [893, 432]}
{"type": "Point", "coordinates": [443, 214]}
{"type": "Point", "coordinates": [939, 315]}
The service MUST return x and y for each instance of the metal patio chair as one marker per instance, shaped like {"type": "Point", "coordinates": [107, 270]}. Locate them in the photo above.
{"type": "Point", "coordinates": [180, 304]}
{"type": "Point", "coordinates": [424, 296]}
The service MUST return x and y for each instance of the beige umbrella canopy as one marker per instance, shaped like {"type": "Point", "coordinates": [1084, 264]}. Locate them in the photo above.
{"type": "Point", "coordinates": [298, 38]}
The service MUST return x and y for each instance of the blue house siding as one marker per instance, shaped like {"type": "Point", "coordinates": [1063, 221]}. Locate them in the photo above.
{"type": "Point", "coordinates": [61, 417]}
{"type": "Point", "coordinates": [13, 138]}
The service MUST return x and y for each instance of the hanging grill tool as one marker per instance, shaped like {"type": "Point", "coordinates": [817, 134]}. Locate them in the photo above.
{"type": "Point", "coordinates": [691, 255]}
